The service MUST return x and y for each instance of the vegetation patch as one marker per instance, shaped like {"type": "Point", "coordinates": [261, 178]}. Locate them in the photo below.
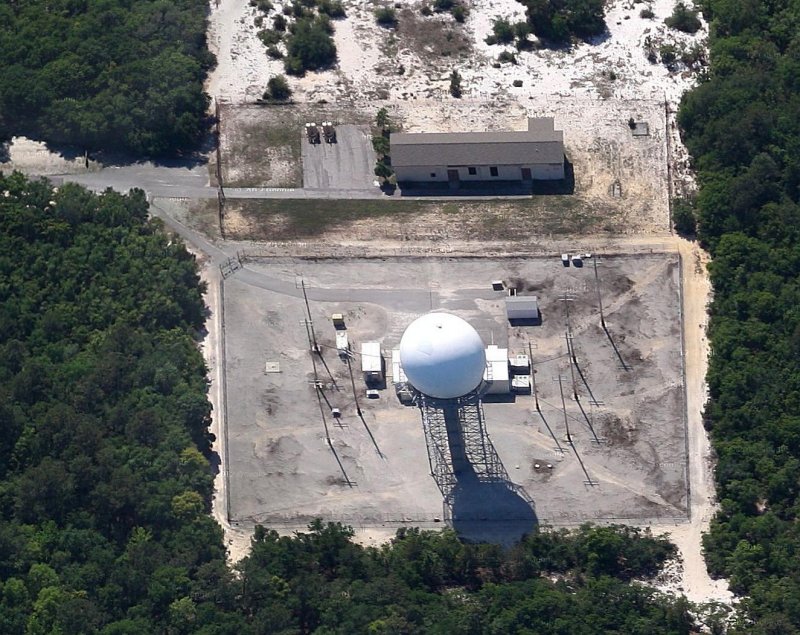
{"type": "Point", "coordinates": [558, 21]}
{"type": "Point", "coordinates": [113, 75]}
{"type": "Point", "coordinates": [310, 46]}
{"type": "Point", "coordinates": [432, 36]}
{"type": "Point", "coordinates": [298, 219]}
{"type": "Point", "coordinates": [740, 125]}
{"type": "Point", "coordinates": [684, 18]}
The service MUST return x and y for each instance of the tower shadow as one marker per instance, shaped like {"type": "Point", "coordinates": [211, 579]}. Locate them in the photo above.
{"type": "Point", "coordinates": [490, 511]}
{"type": "Point", "coordinates": [481, 502]}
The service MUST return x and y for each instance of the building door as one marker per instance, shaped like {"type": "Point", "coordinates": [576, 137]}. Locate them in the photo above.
{"type": "Point", "coordinates": [526, 174]}
{"type": "Point", "coordinates": [452, 178]}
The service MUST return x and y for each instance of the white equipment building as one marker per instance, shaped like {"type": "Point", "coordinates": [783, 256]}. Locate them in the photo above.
{"type": "Point", "coordinates": [372, 362]}
{"type": "Point", "coordinates": [496, 374]}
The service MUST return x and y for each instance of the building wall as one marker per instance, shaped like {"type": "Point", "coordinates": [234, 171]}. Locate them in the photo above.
{"type": "Point", "coordinates": [430, 174]}
{"type": "Point", "coordinates": [522, 312]}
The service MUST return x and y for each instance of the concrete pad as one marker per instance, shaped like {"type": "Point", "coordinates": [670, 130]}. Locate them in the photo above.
{"type": "Point", "coordinates": [347, 164]}
{"type": "Point", "coordinates": [290, 461]}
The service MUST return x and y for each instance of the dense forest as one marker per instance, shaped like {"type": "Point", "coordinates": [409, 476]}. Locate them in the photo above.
{"type": "Point", "coordinates": [105, 476]}
{"type": "Point", "coordinates": [742, 126]}
{"type": "Point", "coordinates": [115, 75]}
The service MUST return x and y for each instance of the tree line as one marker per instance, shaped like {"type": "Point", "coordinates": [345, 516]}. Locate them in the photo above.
{"type": "Point", "coordinates": [742, 126]}
{"type": "Point", "coordinates": [106, 477]}
{"type": "Point", "coordinates": [114, 75]}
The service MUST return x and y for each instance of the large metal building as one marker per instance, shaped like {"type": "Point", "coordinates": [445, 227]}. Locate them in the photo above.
{"type": "Point", "coordinates": [531, 155]}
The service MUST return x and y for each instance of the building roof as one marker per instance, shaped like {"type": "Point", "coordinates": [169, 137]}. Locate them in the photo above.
{"type": "Point", "coordinates": [522, 300]}
{"type": "Point", "coordinates": [539, 144]}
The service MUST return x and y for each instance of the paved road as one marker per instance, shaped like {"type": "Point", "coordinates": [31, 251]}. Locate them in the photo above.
{"type": "Point", "coordinates": [190, 179]}
{"type": "Point", "coordinates": [413, 300]}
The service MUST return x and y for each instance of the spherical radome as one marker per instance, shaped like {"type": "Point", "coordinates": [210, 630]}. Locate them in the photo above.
{"type": "Point", "coordinates": [442, 356]}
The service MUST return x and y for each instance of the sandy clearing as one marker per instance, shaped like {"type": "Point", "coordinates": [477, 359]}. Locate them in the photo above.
{"type": "Point", "coordinates": [693, 579]}
{"type": "Point", "coordinates": [237, 541]}
{"type": "Point", "coordinates": [370, 57]}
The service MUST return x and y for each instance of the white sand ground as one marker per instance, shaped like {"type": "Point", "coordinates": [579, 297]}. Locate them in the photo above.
{"type": "Point", "coordinates": [366, 52]}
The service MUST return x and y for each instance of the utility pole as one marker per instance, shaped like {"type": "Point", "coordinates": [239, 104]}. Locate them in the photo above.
{"type": "Point", "coordinates": [313, 335]}
{"type": "Point", "coordinates": [599, 295]}
{"type": "Point", "coordinates": [571, 361]}
{"type": "Point", "coordinates": [353, 382]}
{"type": "Point", "coordinates": [564, 408]}
{"type": "Point", "coordinates": [533, 378]}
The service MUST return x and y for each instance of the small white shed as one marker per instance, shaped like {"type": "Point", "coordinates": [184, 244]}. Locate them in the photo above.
{"type": "Point", "coordinates": [372, 361]}
{"type": "Point", "coordinates": [522, 307]}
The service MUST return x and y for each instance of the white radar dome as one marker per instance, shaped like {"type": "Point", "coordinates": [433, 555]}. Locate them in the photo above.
{"type": "Point", "coordinates": [442, 356]}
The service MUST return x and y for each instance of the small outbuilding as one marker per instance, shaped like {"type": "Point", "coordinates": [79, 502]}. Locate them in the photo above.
{"type": "Point", "coordinates": [497, 375]}
{"type": "Point", "coordinates": [372, 362]}
{"type": "Point", "coordinates": [522, 308]}
{"type": "Point", "coordinates": [535, 154]}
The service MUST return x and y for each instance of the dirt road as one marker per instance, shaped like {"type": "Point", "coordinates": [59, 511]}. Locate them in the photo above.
{"type": "Point", "coordinates": [694, 580]}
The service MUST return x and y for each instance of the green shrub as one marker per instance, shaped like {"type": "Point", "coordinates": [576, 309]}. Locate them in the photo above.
{"type": "Point", "coordinates": [647, 14]}
{"type": "Point", "coordinates": [561, 20]}
{"type": "Point", "coordinates": [684, 19]}
{"type": "Point", "coordinates": [270, 37]}
{"type": "Point", "coordinates": [669, 54]}
{"type": "Point", "coordinates": [331, 8]}
{"type": "Point", "coordinates": [693, 55]}
{"type": "Point", "coordinates": [383, 170]}
{"type": "Point", "coordinates": [310, 46]}
{"type": "Point", "coordinates": [502, 32]}
{"type": "Point", "coordinates": [278, 89]}
{"type": "Point", "coordinates": [380, 144]}
{"type": "Point", "coordinates": [279, 23]}
{"type": "Point", "coordinates": [459, 13]}
{"type": "Point", "coordinates": [325, 22]}
{"type": "Point", "coordinates": [683, 217]}
{"type": "Point", "coordinates": [455, 84]}
{"type": "Point", "coordinates": [386, 17]}
{"type": "Point", "coordinates": [426, 10]}
{"type": "Point", "coordinates": [443, 5]}
{"type": "Point", "coordinates": [507, 57]}
{"type": "Point", "coordinates": [274, 52]}
{"type": "Point", "coordinates": [382, 120]}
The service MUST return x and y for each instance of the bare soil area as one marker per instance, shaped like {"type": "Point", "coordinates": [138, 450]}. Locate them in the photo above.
{"type": "Point", "coordinates": [375, 473]}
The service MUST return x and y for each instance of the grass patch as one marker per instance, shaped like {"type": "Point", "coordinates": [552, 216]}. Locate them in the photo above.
{"type": "Point", "coordinates": [432, 37]}
{"type": "Point", "coordinates": [518, 219]}
{"type": "Point", "coordinates": [256, 153]}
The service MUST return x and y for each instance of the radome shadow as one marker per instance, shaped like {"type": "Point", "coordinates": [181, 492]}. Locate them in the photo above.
{"type": "Point", "coordinates": [490, 511]}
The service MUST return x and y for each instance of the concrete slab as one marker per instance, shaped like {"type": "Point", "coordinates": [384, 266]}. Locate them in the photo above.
{"type": "Point", "coordinates": [347, 164]}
